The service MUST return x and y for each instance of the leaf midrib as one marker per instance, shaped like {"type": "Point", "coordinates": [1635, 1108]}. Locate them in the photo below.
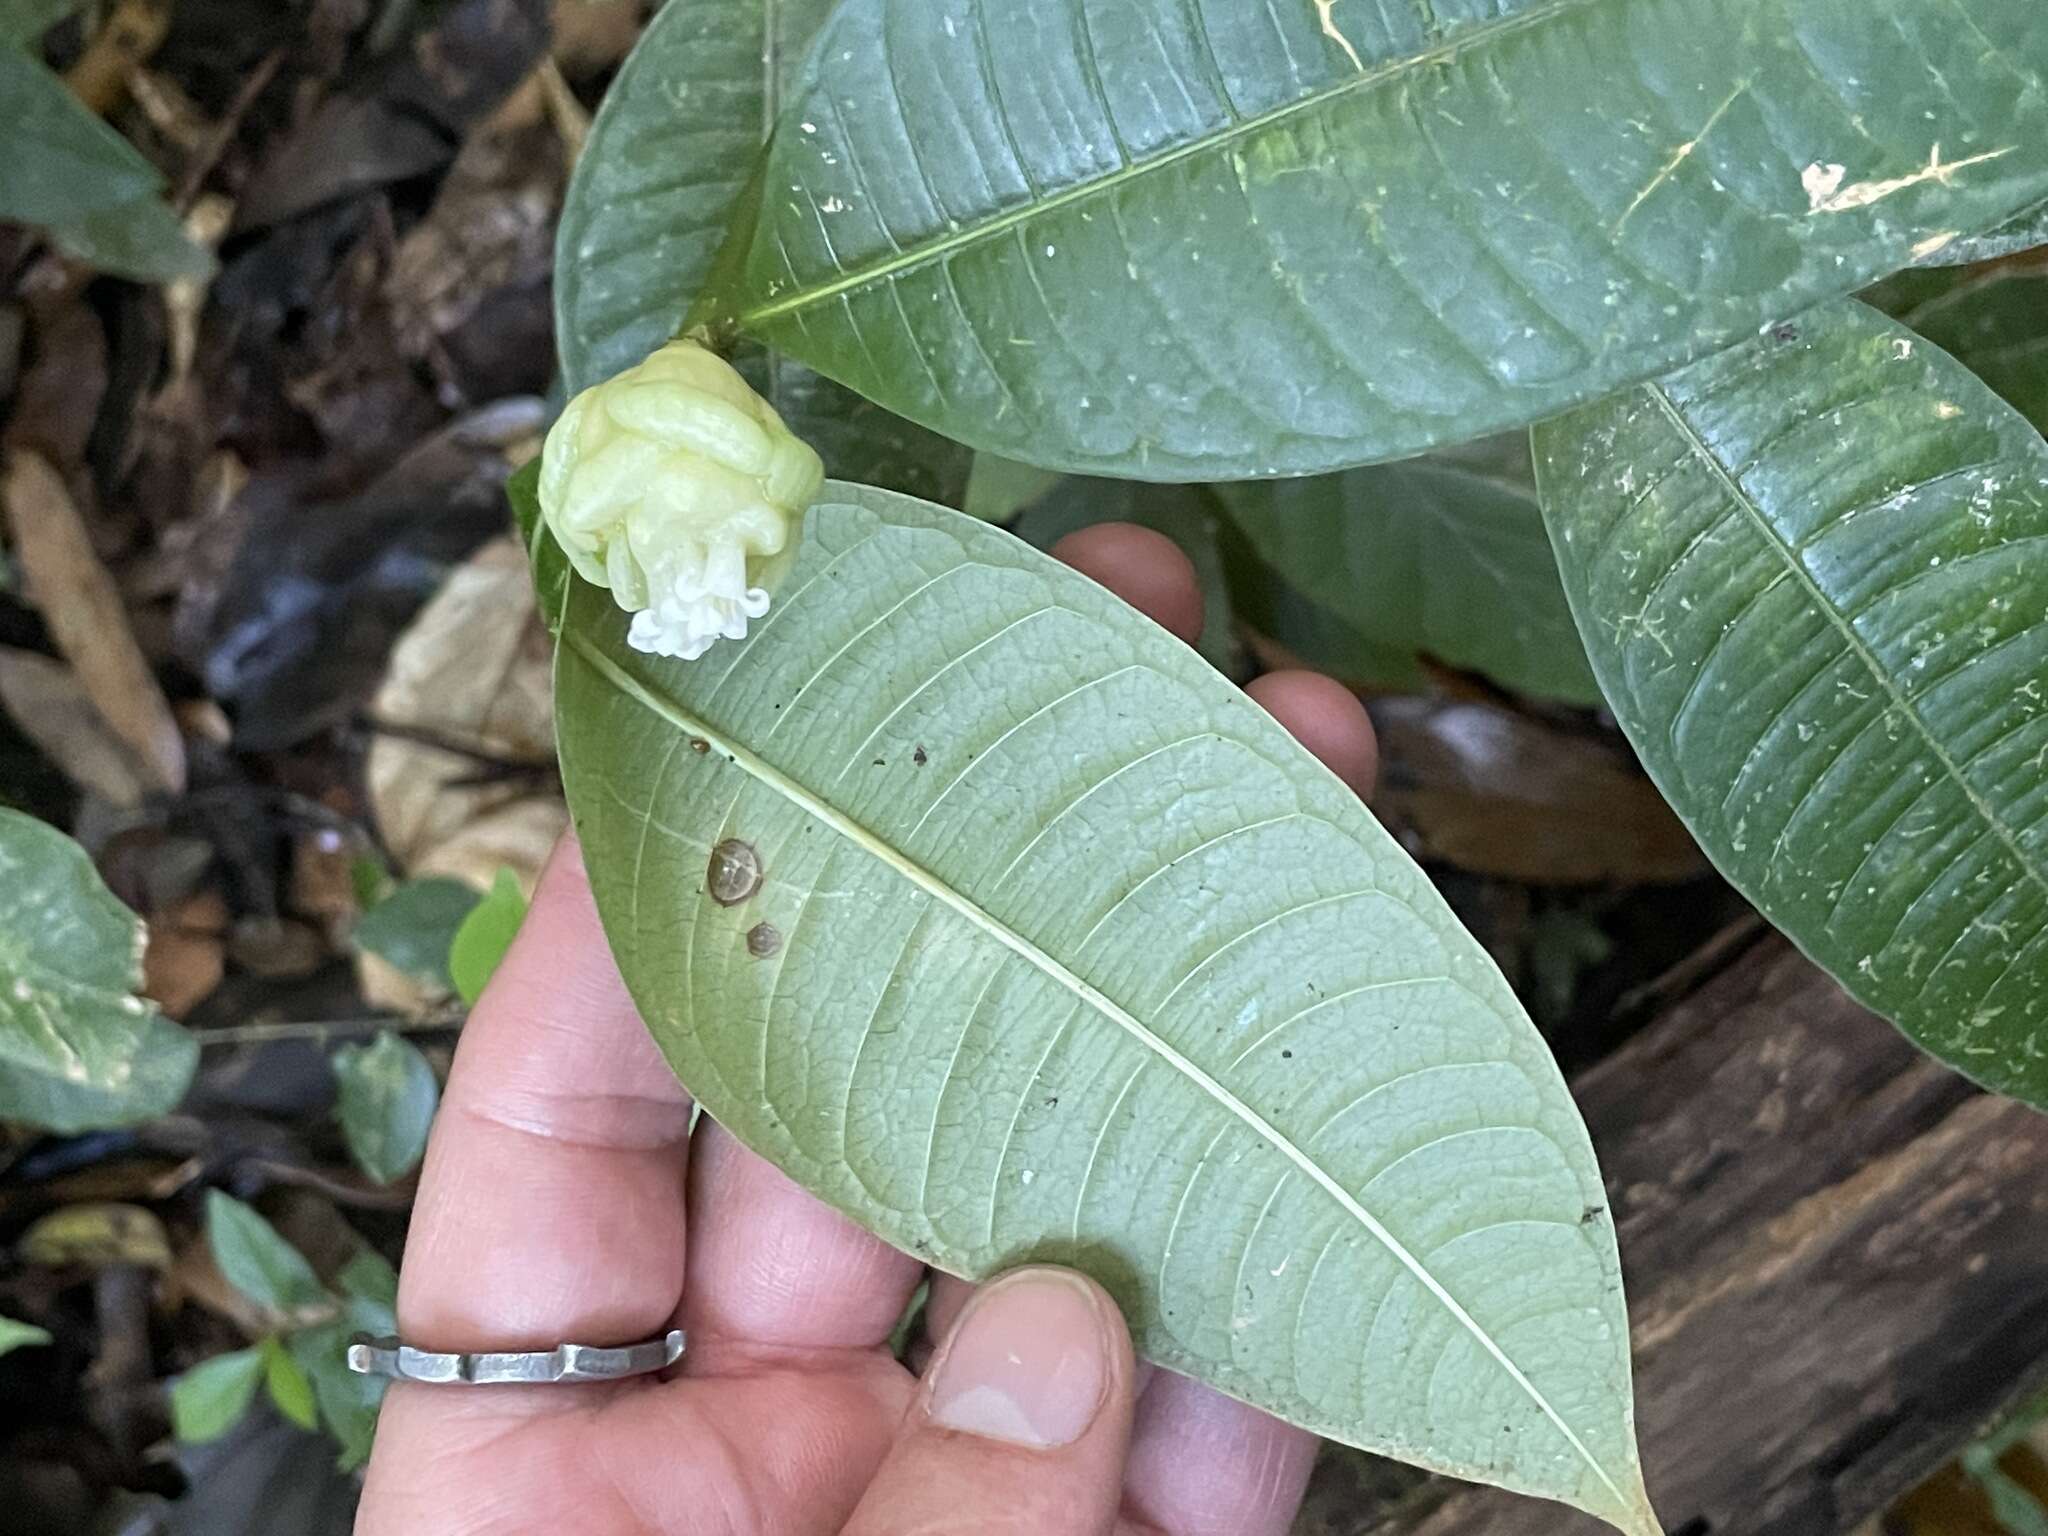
{"type": "Point", "coordinates": [1851, 638]}
{"type": "Point", "coordinates": [911, 258]}
{"type": "Point", "coordinates": [811, 804]}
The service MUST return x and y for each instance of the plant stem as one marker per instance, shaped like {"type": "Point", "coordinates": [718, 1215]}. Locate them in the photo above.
{"type": "Point", "coordinates": [328, 1029]}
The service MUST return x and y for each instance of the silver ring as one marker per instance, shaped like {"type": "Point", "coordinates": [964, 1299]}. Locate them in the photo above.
{"type": "Point", "coordinates": [565, 1362]}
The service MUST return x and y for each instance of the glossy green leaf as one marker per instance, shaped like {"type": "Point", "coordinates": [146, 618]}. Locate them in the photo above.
{"type": "Point", "coordinates": [1808, 572]}
{"type": "Point", "coordinates": [1364, 572]}
{"type": "Point", "coordinates": [210, 1399]}
{"type": "Point", "coordinates": [480, 943]}
{"type": "Point", "coordinates": [386, 1104]}
{"type": "Point", "coordinates": [1229, 239]}
{"type": "Point", "coordinates": [288, 1385]}
{"type": "Point", "coordinates": [19, 1335]}
{"type": "Point", "coordinates": [2021, 233]}
{"type": "Point", "coordinates": [256, 1260]}
{"type": "Point", "coordinates": [70, 173]}
{"type": "Point", "coordinates": [78, 1049]}
{"type": "Point", "coordinates": [669, 155]}
{"type": "Point", "coordinates": [415, 926]}
{"type": "Point", "coordinates": [1046, 943]}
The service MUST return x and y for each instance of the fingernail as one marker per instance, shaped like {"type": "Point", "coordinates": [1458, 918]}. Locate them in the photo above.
{"type": "Point", "coordinates": [1026, 1364]}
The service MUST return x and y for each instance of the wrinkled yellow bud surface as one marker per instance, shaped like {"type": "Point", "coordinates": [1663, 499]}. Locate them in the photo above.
{"type": "Point", "coordinates": [673, 484]}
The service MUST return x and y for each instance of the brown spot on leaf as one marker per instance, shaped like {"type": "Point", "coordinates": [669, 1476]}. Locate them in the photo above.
{"type": "Point", "coordinates": [734, 873]}
{"type": "Point", "coordinates": [763, 939]}
{"type": "Point", "coordinates": [699, 745]}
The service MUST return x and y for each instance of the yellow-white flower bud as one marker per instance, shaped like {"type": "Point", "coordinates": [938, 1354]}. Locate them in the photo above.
{"type": "Point", "coordinates": [674, 484]}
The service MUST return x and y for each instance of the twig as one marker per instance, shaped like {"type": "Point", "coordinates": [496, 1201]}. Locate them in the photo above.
{"type": "Point", "coordinates": [455, 746]}
{"type": "Point", "coordinates": [207, 156]}
{"type": "Point", "coordinates": [330, 1029]}
{"type": "Point", "coordinates": [394, 1197]}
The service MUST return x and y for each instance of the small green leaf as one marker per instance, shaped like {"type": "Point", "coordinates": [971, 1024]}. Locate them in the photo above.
{"type": "Point", "coordinates": [2018, 1511]}
{"type": "Point", "coordinates": [70, 173]}
{"type": "Point", "coordinates": [256, 1261]}
{"type": "Point", "coordinates": [1057, 947]}
{"type": "Point", "coordinates": [386, 1104]}
{"type": "Point", "coordinates": [368, 882]}
{"type": "Point", "coordinates": [367, 1279]}
{"type": "Point", "coordinates": [78, 1049]}
{"type": "Point", "coordinates": [480, 943]}
{"type": "Point", "coordinates": [210, 1399]}
{"type": "Point", "coordinates": [1808, 575]}
{"type": "Point", "coordinates": [1365, 572]}
{"type": "Point", "coordinates": [1230, 239]}
{"type": "Point", "coordinates": [415, 925]}
{"type": "Point", "coordinates": [348, 1402]}
{"type": "Point", "coordinates": [18, 1335]}
{"type": "Point", "coordinates": [669, 155]}
{"type": "Point", "coordinates": [22, 22]}
{"type": "Point", "coordinates": [287, 1383]}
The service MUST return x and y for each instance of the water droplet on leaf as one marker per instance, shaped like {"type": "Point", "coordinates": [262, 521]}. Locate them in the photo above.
{"type": "Point", "coordinates": [734, 873]}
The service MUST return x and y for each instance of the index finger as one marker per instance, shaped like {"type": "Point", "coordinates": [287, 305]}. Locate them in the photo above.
{"type": "Point", "coordinates": [551, 1203]}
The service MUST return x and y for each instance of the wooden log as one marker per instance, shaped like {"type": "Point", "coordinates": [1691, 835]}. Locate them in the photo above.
{"type": "Point", "coordinates": [1837, 1257]}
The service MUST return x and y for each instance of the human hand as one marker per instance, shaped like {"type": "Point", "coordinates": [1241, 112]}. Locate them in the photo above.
{"type": "Point", "coordinates": [563, 1198]}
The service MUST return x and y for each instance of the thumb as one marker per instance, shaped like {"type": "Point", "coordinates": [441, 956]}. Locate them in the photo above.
{"type": "Point", "coordinates": [1021, 1422]}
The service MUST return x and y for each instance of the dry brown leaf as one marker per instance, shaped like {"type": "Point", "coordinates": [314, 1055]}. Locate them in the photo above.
{"type": "Point", "coordinates": [128, 40]}
{"type": "Point", "coordinates": [491, 227]}
{"type": "Point", "coordinates": [1499, 793]}
{"type": "Point", "coordinates": [85, 615]}
{"type": "Point", "coordinates": [323, 888]}
{"type": "Point", "coordinates": [58, 396]}
{"type": "Point", "coordinates": [592, 36]}
{"type": "Point", "coordinates": [1952, 1503]}
{"type": "Point", "coordinates": [94, 1235]}
{"type": "Point", "coordinates": [279, 947]}
{"type": "Point", "coordinates": [473, 673]}
{"type": "Point", "coordinates": [187, 952]}
{"type": "Point", "coordinates": [46, 701]}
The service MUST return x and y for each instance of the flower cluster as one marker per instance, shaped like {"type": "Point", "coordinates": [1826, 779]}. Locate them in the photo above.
{"type": "Point", "coordinates": [674, 484]}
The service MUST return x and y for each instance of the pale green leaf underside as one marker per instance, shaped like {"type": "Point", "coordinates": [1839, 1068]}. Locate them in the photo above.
{"type": "Point", "coordinates": [78, 1049]}
{"type": "Point", "coordinates": [1210, 239]}
{"type": "Point", "coordinates": [668, 157]}
{"type": "Point", "coordinates": [1076, 956]}
{"type": "Point", "coordinates": [1809, 574]}
{"type": "Point", "coordinates": [1364, 572]}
